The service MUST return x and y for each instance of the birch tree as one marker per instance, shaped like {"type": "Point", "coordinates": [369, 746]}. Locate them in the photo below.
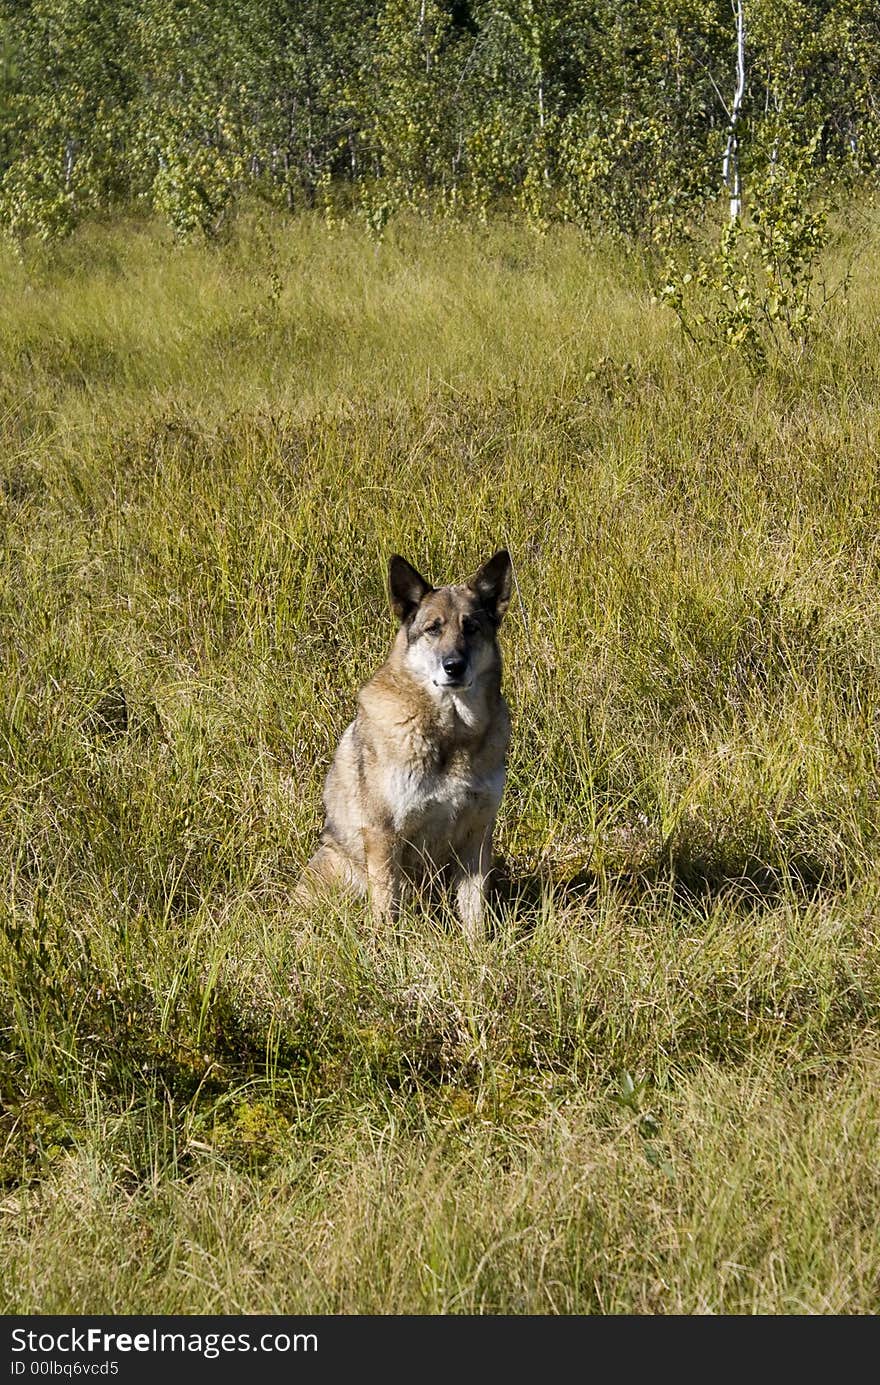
{"type": "Point", "coordinates": [730, 166]}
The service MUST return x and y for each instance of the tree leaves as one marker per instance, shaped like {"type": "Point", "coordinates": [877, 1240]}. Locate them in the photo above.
{"type": "Point", "coordinates": [608, 113]}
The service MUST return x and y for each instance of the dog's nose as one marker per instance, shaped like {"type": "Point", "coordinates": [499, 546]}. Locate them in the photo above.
{"type": "Point", "coordinates": [454, 665]}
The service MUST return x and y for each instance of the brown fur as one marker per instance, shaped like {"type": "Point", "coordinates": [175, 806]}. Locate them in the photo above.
{"type": "Point", "coordinates": [416, 780]}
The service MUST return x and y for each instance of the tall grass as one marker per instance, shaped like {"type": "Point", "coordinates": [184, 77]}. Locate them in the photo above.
{"type": "Point", "coordinates": [653, 1088]}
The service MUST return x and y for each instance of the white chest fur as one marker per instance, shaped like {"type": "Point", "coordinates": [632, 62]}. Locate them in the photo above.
{"type": "Point", "coordinates": [425, 805]}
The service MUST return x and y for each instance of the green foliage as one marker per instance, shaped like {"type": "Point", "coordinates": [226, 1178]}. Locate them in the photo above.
{"type": "Point", "coordinates": [66, 117]}
{"type": "Point", "coordinates": [611, 115]}
{"type": "Point", "coordinates": [636, 149]}
{"type": "Point", "coordinates": [760, 291]}
{"type": "Point", "coordinates": [801, 141]}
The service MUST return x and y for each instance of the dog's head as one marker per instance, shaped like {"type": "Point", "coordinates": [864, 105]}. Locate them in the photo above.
{"type": "Point", "coordinates": [450, 632]}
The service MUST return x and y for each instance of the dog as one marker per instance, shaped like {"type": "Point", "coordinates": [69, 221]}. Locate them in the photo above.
{"type": "Point", "coordinates": [416, 781]}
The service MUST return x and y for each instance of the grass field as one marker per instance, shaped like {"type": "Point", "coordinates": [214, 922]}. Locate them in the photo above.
{"type": "Point", "coordinates": [654, 1088]}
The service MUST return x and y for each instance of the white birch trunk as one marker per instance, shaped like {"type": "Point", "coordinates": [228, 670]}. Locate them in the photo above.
{"type": "Point", "coordinates": [730, 167]}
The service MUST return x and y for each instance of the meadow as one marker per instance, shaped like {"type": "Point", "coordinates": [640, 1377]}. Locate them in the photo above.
{"type": "Point", "coordinates": [653, 1087]}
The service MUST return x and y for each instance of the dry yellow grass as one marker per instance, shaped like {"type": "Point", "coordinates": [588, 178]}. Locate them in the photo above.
{"type": "Point", "coordinates": [654, 1088]}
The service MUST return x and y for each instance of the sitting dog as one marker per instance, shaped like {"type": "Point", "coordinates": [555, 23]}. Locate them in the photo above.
{"type": "Point", "coordinates": [414, 787]}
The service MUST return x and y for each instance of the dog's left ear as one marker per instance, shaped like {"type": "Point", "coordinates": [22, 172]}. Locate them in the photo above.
{"type": "Point", "coordinates": [491, 582]}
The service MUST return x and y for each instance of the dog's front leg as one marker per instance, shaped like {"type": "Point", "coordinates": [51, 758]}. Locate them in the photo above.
{"type": "Point", "coordinates": [475, 863]}
{"type": "Point", "coordinates": [383, 873]}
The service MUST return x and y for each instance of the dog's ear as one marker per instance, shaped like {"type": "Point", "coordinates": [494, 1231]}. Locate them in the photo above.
{"type": "Point", "coordinates": [407, 587]}
{"type": "Point", "coordinates": [491, 582]}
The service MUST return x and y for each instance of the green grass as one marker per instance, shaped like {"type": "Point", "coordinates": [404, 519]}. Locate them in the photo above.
{"type": "Point", "coordinates": [653, 1088]}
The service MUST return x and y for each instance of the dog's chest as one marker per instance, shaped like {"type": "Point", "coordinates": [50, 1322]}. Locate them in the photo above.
{"type": "Point", "coordinates": [427, 801]}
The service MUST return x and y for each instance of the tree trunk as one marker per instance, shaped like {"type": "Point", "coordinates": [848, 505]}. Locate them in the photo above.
{"type": "Point", "coordinates": [730, 167]}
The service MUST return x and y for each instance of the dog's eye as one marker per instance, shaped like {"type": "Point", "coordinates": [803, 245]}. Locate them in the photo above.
{"type": "Point", "coordinates": [434, 628]}
{"type": "Point", "coordinates": [468, 626]}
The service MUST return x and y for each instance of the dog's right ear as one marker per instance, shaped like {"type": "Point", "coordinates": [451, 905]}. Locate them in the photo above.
{"type": "Point", "coordinates": [407, 587]}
